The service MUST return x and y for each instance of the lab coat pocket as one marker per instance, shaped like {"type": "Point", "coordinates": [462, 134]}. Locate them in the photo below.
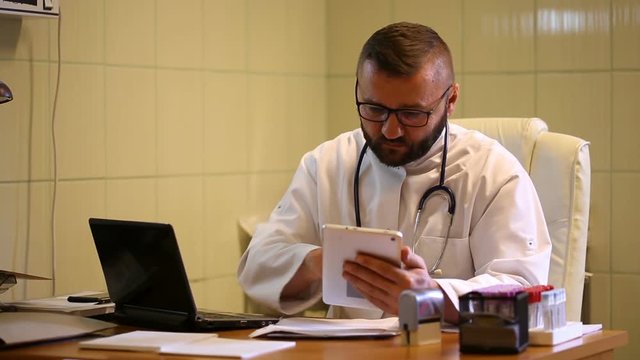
{"type": "Point", "coordinates": [455, 259]}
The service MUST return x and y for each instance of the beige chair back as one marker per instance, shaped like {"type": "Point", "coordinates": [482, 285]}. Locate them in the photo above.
{"type": "Point", "coordinates": [559, 166]}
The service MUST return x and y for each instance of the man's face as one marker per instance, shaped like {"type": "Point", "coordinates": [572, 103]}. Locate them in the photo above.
{"type": "Point", "coordinates": [393, 143]}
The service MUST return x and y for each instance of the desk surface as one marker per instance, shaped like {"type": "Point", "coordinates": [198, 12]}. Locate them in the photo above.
{"type": "Point", "coordinates": [598, 345]}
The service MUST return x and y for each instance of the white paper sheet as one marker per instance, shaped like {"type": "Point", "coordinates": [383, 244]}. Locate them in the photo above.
{"type": "Point", "coordinates": [322, 328]}
{"type": "Point", "coordinates": [25, 327]}
{"type": "Point", "coordinates": [153, 341]}
{"type": "Point", "coordinates": [228, 347]}
{"type": "Point", "coordinates": [60, 304]}
{"type": "Point", "coordinates": [198, 344]}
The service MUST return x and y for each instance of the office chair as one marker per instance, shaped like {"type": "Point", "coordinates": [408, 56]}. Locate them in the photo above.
{"type": "Point", "coordinates": [560, 168]}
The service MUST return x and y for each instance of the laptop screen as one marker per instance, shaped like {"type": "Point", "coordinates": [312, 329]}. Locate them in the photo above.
{"type": "Point", "coordinates": [142, 265]}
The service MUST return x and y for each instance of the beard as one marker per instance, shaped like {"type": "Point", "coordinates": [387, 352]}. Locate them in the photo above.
{"type": "Point", "coordinates": [395, 156]}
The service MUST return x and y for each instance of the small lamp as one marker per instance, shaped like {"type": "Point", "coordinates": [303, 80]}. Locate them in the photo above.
{"type": "Point", "coordinates": [5, 93]}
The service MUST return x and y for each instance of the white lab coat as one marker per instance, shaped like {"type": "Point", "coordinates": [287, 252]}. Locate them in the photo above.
{"type": "Point", "coordinates": [499, 234]}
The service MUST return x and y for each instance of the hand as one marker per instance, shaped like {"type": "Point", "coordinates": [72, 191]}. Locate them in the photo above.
{"type": "Point", "coordinates": [309, 272]}
{"type": "Point", "coordinates": [381, 282]}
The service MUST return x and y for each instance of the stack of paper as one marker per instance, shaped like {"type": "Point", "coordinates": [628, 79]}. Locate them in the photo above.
{"type": "Point", "coordinates": [61, 305]}
{"type": "Point", "coordinates": [25, 327]}
{"type": "Point", "coordinates": [325, 328]}
{"type": "Point", "coordinates": [198, 344]}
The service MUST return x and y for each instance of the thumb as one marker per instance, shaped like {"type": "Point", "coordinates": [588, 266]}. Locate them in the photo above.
{"type": "Point", "coordinates": [410, 259]}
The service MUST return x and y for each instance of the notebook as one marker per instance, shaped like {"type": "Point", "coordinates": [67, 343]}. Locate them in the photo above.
{"type": "Point", "coordinates": [147, 281]}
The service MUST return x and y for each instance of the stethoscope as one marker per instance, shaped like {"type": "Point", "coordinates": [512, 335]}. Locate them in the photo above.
{"type": "Point", "coordinates": [440, 187]}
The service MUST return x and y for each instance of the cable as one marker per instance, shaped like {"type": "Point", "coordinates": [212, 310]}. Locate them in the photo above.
{"type": "Point", "coordinates": [55, 162]}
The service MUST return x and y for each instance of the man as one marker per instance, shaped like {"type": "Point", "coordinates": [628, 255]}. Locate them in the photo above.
{"type": "Point", "coordinates": [405, 92]}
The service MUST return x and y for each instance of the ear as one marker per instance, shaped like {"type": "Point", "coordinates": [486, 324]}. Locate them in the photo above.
{"type": "Point", "coordinates": [453, 98]}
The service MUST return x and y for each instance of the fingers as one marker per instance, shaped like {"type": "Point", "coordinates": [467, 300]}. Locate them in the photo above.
{"type": "Point", "coordinates": [378, 290]}
{"type": "Point", "coordinates": [379, 266]}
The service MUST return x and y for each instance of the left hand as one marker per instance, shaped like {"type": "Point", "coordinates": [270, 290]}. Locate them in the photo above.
{"type": "Point", "coordinates": [381, 282]}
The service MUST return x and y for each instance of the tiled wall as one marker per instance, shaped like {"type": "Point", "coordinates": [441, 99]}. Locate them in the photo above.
{"type": "Point", "coordinates": [196, 112]}
{"type": "Point", "coordinates": [575, 64]}
{"type": "Point", "coordinates": [193, 112]}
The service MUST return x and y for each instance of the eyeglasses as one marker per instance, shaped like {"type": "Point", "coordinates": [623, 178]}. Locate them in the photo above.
{"type": "Point", "coordinates": [407, 117]}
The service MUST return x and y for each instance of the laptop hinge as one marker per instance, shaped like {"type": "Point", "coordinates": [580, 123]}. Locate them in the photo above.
{"type": "Point", "coordinates": [157, 318]}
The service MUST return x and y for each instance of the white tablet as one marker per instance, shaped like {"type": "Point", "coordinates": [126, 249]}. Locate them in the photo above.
{"type": "Point", "coordinates": [340, 243]}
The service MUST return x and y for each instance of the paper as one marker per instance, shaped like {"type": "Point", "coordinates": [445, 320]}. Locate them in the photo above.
{"type": "Point", "coordinates": [25, 327]}
{"type": "Point", "coordinates": [60, 304]}
{"type": "Point", "coordinates": [229, 347]}
{"type": "Point", "coordinates": [23, 275]}
{"type": "Point", "coordinates": [154, 341]}
{"type": "Point", "coordinates": [8, 279]}
{"type": "Point", "coordinates": [199, 344]}
{"type": "Point", "coordinates": [323, 328]}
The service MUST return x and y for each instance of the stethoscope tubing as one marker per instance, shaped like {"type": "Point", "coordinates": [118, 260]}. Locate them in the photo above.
{"type": "Point", "coordinates": [440, 187]}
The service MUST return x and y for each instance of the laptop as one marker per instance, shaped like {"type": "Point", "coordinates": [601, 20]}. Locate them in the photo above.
{"type": "Point", "coordinates": [147, 281]}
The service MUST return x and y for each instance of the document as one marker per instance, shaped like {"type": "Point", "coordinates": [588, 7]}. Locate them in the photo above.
{"type": "Point", "coordinates": [25, 327]}
{"type": "Point", "coordinates": [61, 305]}
{"type": "Point", "coordinates": [330, 328]}
{"type": "Point", "coordinates": [153, 341]}
{"type": "Point", "coordinates": [197, 344]}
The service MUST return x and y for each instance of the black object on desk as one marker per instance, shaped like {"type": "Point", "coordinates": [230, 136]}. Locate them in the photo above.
{"type": "Point", "coordinates": [494, 323]}
{"type": "Point", "coordinates": [96, 299]}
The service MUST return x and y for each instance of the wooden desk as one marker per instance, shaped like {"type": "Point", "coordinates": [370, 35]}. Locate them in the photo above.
{"type": "Point", "coordinates": [599, 345]}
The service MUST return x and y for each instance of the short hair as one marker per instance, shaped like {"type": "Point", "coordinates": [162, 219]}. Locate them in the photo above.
{"type": "Point", "coordinates": [401, 49]}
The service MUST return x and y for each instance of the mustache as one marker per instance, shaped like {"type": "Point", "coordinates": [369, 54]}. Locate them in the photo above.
{"type": "Point", "coordinates": [400, 140]}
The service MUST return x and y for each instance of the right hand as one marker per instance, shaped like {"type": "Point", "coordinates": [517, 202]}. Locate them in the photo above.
{"type": "Point", "coordinates": [309, 272]}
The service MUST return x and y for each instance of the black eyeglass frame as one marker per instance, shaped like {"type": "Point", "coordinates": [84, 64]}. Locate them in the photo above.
{"type": "Point", "coordinates": [399, 111]}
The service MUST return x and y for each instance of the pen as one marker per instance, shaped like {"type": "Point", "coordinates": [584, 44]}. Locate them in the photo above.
{"type": "Point", "coordinates": [89, 299]}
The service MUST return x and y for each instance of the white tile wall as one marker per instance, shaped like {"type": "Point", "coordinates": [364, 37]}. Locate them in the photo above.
{"type": "Point", "coordinates": [498, 35]}
{"type": "Point", "coordinates": [14, 131]}
{"type": "Point", "coordinates": [625, 197]}
{"type": "Point", "coordinates": [349, 25]}
{"type": "Point", "coordinates": [166, 108]}
{"type": "Point", "coordinates": [77, 202]}
{"type": "Point", "coordinates": [79, 122]}
{"type": "Point", "coordinates": [500, 94]}
{"type": "Point", "coordinates": [225, 35]}
{"type": "Point", "coordinates": [599, 245]}
{"type": "Point", "coordinates": [267, 131]}
{"type": "Point", "coordinates": [168, 111]}
{"type": "Point", "coordinates": [626, 107]}
{"type": "Point", "coordinates": [180, 105]}
{"type": "Point", "coordinates": [577, 104]}
{"type": "Point", "coordinates": [133, 199]}
{"type": "Point", "coordinates": [130, 121]}
{"type": "Point", "coordinates": [626, 34]}
{"type": "Point", "coordinates": [573, 35]}
{"type": "Point", "coordinates": [180, 35]}
{"type": "Point", "coordinates": [625, 290]}
{"type": "Point", "coordinates": [40, 122]}
{"type": "Point", "coordinates": [267, 35]}
{"type": "Point", "coordinates": [82, 31]}
{"type": "Point", "coordinates": [222, 209]}
{"type": "Point", "coordinates": [226, 122]}
{"type": "Point", "coordinates": [130, 32]}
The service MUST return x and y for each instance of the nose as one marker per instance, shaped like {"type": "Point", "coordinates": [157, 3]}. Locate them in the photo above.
{"type": "Point", "coordinates": [392, 129]}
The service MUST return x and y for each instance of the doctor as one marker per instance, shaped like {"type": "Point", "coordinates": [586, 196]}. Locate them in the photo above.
{"type": "Point", "coordinates": [469, 212]}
